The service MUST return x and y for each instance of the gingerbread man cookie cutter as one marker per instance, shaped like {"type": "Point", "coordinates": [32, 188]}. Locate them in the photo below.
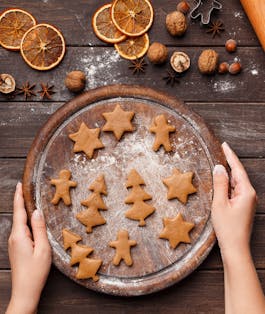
{"type": "Point", "coordinates": [204, 9]}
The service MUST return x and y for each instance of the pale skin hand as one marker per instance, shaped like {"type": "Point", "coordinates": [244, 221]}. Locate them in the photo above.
{"type": "Point", "coordinates": [232, 220]}
{"type": "Point", "coordinates": [30, 258]}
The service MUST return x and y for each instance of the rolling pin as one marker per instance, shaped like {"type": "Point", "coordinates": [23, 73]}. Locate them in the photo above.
{"type": "Point", "coordinates": [255, 10]}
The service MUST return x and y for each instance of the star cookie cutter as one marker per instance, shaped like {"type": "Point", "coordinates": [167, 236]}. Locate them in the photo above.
{"type": "Point", "coordinates": [204, 9]}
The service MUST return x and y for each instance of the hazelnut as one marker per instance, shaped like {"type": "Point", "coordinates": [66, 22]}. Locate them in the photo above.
{"type": "Point", "coordinates": [183, 7]}
{"type": "Point", "coordinates": [7, 83]}
{"type": "Point", "coordinates": [176, 23]}
{"type": "Point", "coordinates": [180, 61]}
{"type": "Point", "coordinates": [157, 53]}
{"type": "Point", "coordinates": [235, 68]}
{"type": "Point", "coordinates": [231, 45]}
{"type": "Point", "coordinates": [223, 68]}
{"type": "Point", "coordinates": [75, 81]}
{"type": "Point", "coordinates": [208, 61]}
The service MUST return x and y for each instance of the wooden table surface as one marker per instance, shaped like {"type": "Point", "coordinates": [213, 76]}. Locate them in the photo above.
{"type": "Point", "coordinates": [233, 106]}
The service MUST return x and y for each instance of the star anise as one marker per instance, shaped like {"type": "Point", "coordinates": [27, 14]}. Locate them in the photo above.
{"type": "Point", "coordinates": [27, 90]}
{"type": "Point", "coordinates": [46, 91]}
{"type": "Point", "coordinates": [138, 66]}
{"type": "Point", "coordinates": [171, 78]}
{"type": "Point", "coordinates": [216, 28]}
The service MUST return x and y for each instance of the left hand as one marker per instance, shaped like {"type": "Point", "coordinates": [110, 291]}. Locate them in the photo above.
{"type": "Point", "coordinates": [30, 258]}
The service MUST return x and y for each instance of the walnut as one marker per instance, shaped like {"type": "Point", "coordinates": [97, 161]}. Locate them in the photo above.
{"type": "Point", "coordinates": [180, 61]}
{"type": "Point", "coordinates": [75, 81]}
{"type": "Point", "coordinates": [176, 23]}
{"type": "Point", "coordinates": [208, 61]}
{"type": "Point", "coordinates": [157, 53]}
{"type": "Point", "coordinates": [7, 83]}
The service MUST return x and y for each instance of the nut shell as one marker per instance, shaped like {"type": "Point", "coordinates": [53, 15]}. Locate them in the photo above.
{"type": "Point", "coordinates": [208, 61]}
{"type": "Point", "coordinates": [183, 7]}
{"type": "Point", "coordinates": [157, 53]}
{"type": "Point", "coordinates": [7, 83]}
{"type": "Point", "coordinates": [231, 45]}
{"type": "Point", "coordinates": [235, 68]}
{"type": "Point", "coordinates": [75, 81]}
{"type": "Point", "coordinates": [180, 61]}
{"type": "Point", "coordinates": [223, 68]}
{"type": "Point", "coordinates": [176, 23]}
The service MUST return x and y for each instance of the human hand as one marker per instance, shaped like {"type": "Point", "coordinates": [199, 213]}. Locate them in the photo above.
{"type": "Point", "coordinates": [232, 217]}
{"type": "Point", "coordinates": [30, 258]}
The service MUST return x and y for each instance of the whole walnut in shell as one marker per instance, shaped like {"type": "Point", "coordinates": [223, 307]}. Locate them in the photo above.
{"type": "Point", "coordinates": [75, 81]}
{"type": "Point", "coordinates": [157, 53]}
{"type": "Point", "coordinates": [176, 23]}
{"type": "Point", "coordinates": [208, 61]}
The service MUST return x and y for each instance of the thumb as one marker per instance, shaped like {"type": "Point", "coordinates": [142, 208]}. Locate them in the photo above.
{"type": "Point", "coordinates": [39, 230]}
{"type": "Point", "coordinates": [220, 184]}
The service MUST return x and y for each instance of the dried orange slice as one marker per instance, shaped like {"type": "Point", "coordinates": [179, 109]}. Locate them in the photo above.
{"type": "Point", "coordinates": [13, 25]}
{"type": "Point", "coordinates": [42, 47]}
{"type": "Point", "coordinates": [132, 17]}
{"type": "Point", "coordinates": [133, 47]}
{"type": "Point", "coordinates": [103, 26]}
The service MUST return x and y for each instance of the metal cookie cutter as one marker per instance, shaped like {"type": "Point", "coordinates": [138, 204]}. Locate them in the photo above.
{"type": "Point", "coordinates": [204, 9]}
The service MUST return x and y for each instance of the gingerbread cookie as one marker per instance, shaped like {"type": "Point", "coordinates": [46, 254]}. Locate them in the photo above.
{"type": "Point", "coordinates": [162, 129]}
{"type": "Point", "coordinates": [91, 217]}
{"type": "Point", "coordinates": [180, 185]}
{"type": "Point", "coordinates": [176, 230]}
{"type": "Point", "coordinates": [87, 267]}
{"type": "Point", "coordinates": [118, 121]}
{"type": "Point", "coordinates": [123, 248]}
{"type": "Point", "coordinates": [140, 210]}
{"type": "Point", "coordinates": [86, 140]}
{"type": "Point", "coordinates": [63, 185]}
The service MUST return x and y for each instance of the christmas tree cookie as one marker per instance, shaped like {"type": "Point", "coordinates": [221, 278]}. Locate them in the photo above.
{"type": "Point", "coordinates": [140, 210]}
{"type": "Point", "coordinates": [123, 248]}
{"type": "Point", "coordinates": [176, 230]}
{"type": "Point", "coordinates": [180, 185]}
{"type": "Point", "coordinates": [63, 185]}
{"type": "Point", "coordinates": [88, 267]}
{"type": "Point", "coordinates": [118, 121]}
{"type": "Point", "coordinates": [91, 217]}
{"type": "Point", "coordinates": [161, 129]}
{"type": "Point", "coordinates": [86, 140]}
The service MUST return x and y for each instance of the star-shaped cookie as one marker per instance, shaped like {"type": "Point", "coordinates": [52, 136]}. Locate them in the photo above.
{"type": "Point", "coordinates": [176, 230]}
{"type": "Point", "coordinates": [161, 129]}
{"type": "Point", "coordinates": [180, 185]}
{"type": "Point", "coordinates": [86, 140]}
{"type": "Point", "coordinates": [118, 121]}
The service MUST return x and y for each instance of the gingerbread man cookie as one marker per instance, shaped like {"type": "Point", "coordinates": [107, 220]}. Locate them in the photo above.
{"type": "Point", "coordinates": [63, 185]}
{"type": "Point", "coordinates": [162, 129]}
{"type": "Point", "coordinates": [118, 121]}
{"type": "Point", "coordinates": [176, 230]}
{"type": "Point", "coordinates": [86, 140]}
{"type": "Point", "coordinates": [180, 185]}
{"type": "Point", "coordinates": [87, 267]}
{"type": "Point", "coordinates": [140, 210]}
{"type": "Point", "coordinates": [123, 248]}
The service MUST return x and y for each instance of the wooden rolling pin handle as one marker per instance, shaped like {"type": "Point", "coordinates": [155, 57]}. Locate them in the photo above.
{"type": "Point", "coordinates": [255, 10]}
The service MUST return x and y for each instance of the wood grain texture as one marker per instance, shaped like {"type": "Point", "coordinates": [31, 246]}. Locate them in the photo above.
{"type": "Point", "coordinates": [103, 66]}
{"type": "Point", "coordinates": [74, 20]}
{"type": "Point", "coordinates": [201, 293]}
{"type": "Point", "coordinates": [242, 125]}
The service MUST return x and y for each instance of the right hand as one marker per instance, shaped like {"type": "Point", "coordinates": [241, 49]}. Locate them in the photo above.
{"type": "Point", "coordinates": [232, 217]}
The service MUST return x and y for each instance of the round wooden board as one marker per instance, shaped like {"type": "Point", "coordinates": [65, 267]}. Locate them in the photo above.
{"type": "Point", "coordinates": [195, 148]}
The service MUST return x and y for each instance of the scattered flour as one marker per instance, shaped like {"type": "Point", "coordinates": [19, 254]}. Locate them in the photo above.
{"type": "Point", "coordinates": [254, 72]}
{"type": "Point", "coordinates": [224, 86]}
{"type": "Point", "coordinates": [238, 15]}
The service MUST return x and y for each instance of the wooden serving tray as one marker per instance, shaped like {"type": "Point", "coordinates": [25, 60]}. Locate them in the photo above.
{"type": "Point", "coordinates": [195, 148]}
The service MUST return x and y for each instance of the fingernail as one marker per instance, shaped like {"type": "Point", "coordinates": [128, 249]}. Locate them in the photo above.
{"type": "Point", "coordinates": [37, 214]}
{"type": "Point", "coordinates": [226, 145]}
{"type": "Point", "coordinates": [18, 184]}
{"type": "Point", "coordinates": [220, 170]}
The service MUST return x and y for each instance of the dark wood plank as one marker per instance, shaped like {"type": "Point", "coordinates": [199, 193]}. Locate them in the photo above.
{"type": "Point", "coordinates": [241, 125]}
{"type": "Point", "coordinates": [74, 20]}
{"type": "Point", "coordinates": [104, 66]}
{"type": "Point", "coordinates": [12, 169]}
{"type": "Point", "coordinates": [213, 261]}
{"type": "Point", "coordinates": [202, 292]}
